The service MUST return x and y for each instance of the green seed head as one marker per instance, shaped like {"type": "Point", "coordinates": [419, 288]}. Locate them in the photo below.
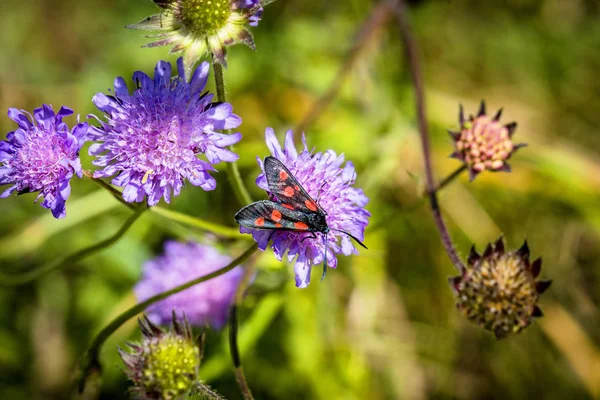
{"type": "Point", "coordinates": [165, 364]}
{"type": "Point", "coordinates": [498, 291]}
{"type": "Point", "coordinates": [202, 17]}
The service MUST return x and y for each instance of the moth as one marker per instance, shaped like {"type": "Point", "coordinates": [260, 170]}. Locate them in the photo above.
{"type": "Point", "coordinates": [295, 211]}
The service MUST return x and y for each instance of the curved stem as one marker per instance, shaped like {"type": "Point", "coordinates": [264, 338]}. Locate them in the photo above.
{"type": "Point", "coordinates": [233, 331]}
{"type": "Point", "coordinates": [447, 180]}
{"type": "Point", "coordinates": [413, 61]}
{"type": "Point", "coordinates": [13, 280]}
{"type": "Point", "coordinates": [220, 230]}
{"type": "Point", "coordinates": [90, 362]}
{"type": "Point", "coordinates": [241, 193]}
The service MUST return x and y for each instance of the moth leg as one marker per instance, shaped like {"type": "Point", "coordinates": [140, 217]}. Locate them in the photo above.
{"type": "Point", "coordinates": [313, 236]}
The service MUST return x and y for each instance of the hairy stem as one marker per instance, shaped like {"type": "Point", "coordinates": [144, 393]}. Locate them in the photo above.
{"type": "Point", "coordinates": [232, 168]}
{"type": "Point", "coordinates": [410, 47]}
{"type": "Point", "coordinates": [13, 280]}
{"type": "Point", "coordinates": [233, 332]}
{"type": "Point", "coordinates": [90, 361]}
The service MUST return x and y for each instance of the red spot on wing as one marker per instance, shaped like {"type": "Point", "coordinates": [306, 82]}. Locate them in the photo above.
{"type": "Point", "coordinates": [310, 205]}
{"type": "Point", "coordinates": [288, 191]}
{"type": "Point", "coordinates": [296, 187]}
{"type": "Point", "coordinates": [260, 221]}
{"type": "Point", "coordinates": [288, 206]}
{"type": "Point", "coordinates": [283, 175]}
{"type": "Point", "coordinates": [278, 225]}
{"type": "Point", "coordinates": [301, 226]}
{"type": "Point", "coordinates": [276, 216]}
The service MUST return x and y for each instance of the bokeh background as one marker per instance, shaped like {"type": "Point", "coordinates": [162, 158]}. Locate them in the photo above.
{"type": "Point", "coordinates": [383, 325]}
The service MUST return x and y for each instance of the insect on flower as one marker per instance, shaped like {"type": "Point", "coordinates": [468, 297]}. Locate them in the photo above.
{"type": "Point", "coordinates": [296, 211]}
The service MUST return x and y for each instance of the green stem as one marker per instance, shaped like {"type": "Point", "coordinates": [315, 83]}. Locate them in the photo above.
{"type": "Point", "coordinates": [21, 279]}
{"type": "Point", "coordinates": [217, 229]}
{"type": "Point", "coordinates": [450, 178]}
{"type": "Point", "coordinates": [185, 219]}
{"type": "Point", "coordinates": [233, 332]}
{"type": "Point", "coordinates": [241, 193]}
{"type": "Point", "coordinates": [90, 362]}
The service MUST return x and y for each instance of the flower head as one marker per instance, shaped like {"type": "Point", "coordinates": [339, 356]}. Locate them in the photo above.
{"type": "Point", "coordinates": [205, 303]}
{"type": "Point", "coordinates": [152, 137]}
{"type": "Point", "coordinates": [42, 155]}
{"type": "Point", "coordinates": [325, 180]}
{"type": "Point", "coordinates": [165, 364]}
{"type": "Point", "coordinates": [483, 143]}
{"type": "Point", "coordinates": [197, 26]}
{"type": "Point", "coordinates": [498, 291]}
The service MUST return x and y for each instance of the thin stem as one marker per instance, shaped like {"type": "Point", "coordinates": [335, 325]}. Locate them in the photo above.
{"type": "Point", "coordinates": [10, 280]}
{"type": "Point", "coordinates": [447, 180]}
{"type": "Point", "coordinates": [413, 61]}
{"type": "Point", "coordinates": [90, 362]}
{"type": "Point", "coordinates": [378, 16]}
{"type": "Point", "coordinates": [220, 230]}
{"type": "Point", "coordinates": [185, 219]}
{"type": "Point", "coordinates": [233, 332]}
{"type": "Point", "coordinates": [232, 168]}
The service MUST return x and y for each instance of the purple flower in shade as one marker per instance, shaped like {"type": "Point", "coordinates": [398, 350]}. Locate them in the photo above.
{"type": "Point", "coordinates": [42, 155]}
{"type": "Point", "coordinates": [205, 303]}
{"type": "Point", "coordinates": [195, 27]}
{"type": "Point", "coordinates": [153, 136]}
{"type": "Point", "coordinates": [325, 180]}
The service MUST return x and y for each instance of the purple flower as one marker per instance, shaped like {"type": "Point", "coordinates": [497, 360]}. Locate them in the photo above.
{"type": "Point", "coordinates": [325, 180]}
{"type": "Point", "coordinates": [41, 156]}
{"type": "Point", "coordinates": [153, 136]}
{"type": "Point", "coordinates": [205, 303]}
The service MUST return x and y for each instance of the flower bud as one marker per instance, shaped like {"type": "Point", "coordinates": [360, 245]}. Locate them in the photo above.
{"type": "Point", "coordinates": [483, 143]}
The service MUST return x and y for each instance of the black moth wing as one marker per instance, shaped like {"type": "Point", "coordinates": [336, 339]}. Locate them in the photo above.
{"type": "Point", "coordinates": [287, 189]}
{"type": "Point", "coordinates": [266, 214]}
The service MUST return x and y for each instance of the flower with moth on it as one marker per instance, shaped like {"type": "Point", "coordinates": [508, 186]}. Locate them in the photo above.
{"type": "Point", "coordinates": [42, 155]}
{"type": "Point", "coordinates": [483, 143]}
{"type": "Point", "coordinates": [498, 290]}
{"type": "Point", "coordinates": [152, 137]}
{"type": "Point", "coordinates": [308, 230]}
{"type": "Point", "coordinates": [206, 303]}
{"type": "Point", "coordinates": [195, 27]}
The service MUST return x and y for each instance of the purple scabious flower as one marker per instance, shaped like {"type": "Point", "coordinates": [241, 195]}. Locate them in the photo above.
{"type": "Point", "coordinates": [42, 155]}
{"type": "Point", "coordinates": [326, 180]}
{"type": "Point", "coordinates": [152, 137]}
{"type": "Point", "coordinates": [205, 303]}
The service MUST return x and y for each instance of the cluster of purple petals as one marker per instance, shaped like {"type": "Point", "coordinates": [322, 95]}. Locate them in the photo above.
{"type": "Point", "coordinates": [257, 15]}
{"type": "Point", "coordinates": [42, 155]}
{"type": "Point", "coordinates": [152, 137]}
{"type": "Point", "coordinates": [325, 178]}
{"type": "Point", "coordinates": [205, 303]}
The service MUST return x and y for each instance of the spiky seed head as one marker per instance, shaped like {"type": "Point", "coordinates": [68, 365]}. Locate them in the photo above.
{"type": "Point", "coordinates": [498, 290]}
{"type": "Point", "coordinates": [165, 364]}
{"type": "Point", "coordinates": [483, 143]}
{"type": "Point", "coordinates": [195, 27]}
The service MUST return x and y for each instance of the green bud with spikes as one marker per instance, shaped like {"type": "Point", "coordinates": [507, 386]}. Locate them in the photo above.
{"type": "Point", "coordinates": [498, 290]}
{"type": "Point", "coordinates": [165, 364]}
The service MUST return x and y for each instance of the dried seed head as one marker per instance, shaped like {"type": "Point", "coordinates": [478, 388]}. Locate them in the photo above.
{"type": "Point", "coordinates": [498, 291]}
{"type": "Point", "coordinates": [483, 143]}
{"type": "Point", "coordinates": [165, 364]}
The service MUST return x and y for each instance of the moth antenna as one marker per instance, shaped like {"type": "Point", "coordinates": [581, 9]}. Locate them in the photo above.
{"type": "Point", "coordinates": [352, 236]}
{"type": "Point", "coordinates": [325, 261]}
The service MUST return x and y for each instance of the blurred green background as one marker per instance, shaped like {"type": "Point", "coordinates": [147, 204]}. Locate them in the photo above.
{"type": "Point", "coordinates": [383, 325]}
